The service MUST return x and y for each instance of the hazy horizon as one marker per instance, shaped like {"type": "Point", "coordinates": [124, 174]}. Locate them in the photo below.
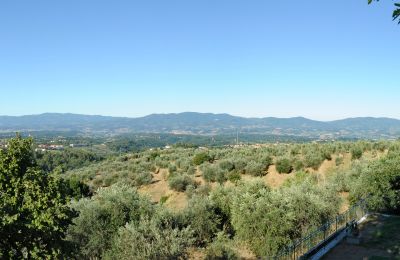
{"type": "Point", "coordinates": [319, 60]}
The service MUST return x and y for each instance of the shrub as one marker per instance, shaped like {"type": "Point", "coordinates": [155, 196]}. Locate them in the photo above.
{"type": "Point", "coordinates": [220, 176]}
{"type": "Point", "coordinates": [339, 160]}
{"type": "Point", "coordinates": [201, 190]}
{"type": "Point", "coordinates": [163, 199]}
{"type": "Point", "coordinates": [98, 182]}
{"type": "Point", "coordinates": [220, 249]}
{"type": "Point", "coordinates": [321, 203]}
{"type": "Point", "coordinates": [283, 165]}
{"type": "Point", "coordinates": [313, 160]}
{"type": "Point", "coordinates": [340, 181]}
{"type": "Point", "coordinates": [234, 176]}
{"type": "Point", "coordinates": [356, 153]}
{"type": "Point", "coordinates": [200, 158]}
{"type": "Point", "coordinates": [203, 218]}
{"type": "Point", "coordinates": [76, 188]}
{"type": "Point", "coordinates": [109, 180]}
{"type": "Point", "coordinates": [326, 155]}
{"type": "Point", "coordinates": [298, 165]}
{"type": "Point", "coordinates": [142, 178]}
{"type": "Point", "coordinates": [180, 182]}
{"type": "Point", "coordinates": [267, 220]}
{"type": "Point", "coordinates": [240, 165]}
{"type": "Point", "coordinates": [226, 165]}
{"type": "Point", "coordinates": [266, 161]}
{"type": "Point", "coordinates": [172, 168]}
{"type": "Point", "coordinates": [101, 216]}
{"type": "Point", "coordinates": [150, 240]}
{"type": "Point", "coordinates": [210, 172]}
{"type": "Point", "coordinates": [265, 231]}
{"type": "Point", "coordinates": [380, 182]}
{"type": "Point", "coordinates": [191, 170]}
{"type": "Point", "coordinates": [255, 169]}
{"type": "Point", "coordinates": [161, 163]}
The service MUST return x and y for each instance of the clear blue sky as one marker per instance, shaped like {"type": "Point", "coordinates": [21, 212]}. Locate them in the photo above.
{"type": "Point", "coordinates": [319, 59]}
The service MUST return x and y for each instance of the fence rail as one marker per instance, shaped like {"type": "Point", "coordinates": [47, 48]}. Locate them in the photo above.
{"type": "Point", "coordinates": [309, 242]}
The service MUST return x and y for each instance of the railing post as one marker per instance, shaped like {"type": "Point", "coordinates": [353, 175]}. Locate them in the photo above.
{"type": "Point", "coordinates": [336, 220]}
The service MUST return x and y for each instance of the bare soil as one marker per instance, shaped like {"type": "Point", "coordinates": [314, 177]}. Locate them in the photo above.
{"type": "Point", "coordinates": [274, 179]}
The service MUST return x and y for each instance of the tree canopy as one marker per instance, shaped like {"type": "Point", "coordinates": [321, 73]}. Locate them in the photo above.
{"type": "Point", "coordinates": [33, 206]}
{"type": "Point", "coordinates": [396, 12]}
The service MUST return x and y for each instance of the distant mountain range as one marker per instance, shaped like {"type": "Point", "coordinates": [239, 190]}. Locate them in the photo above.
{"type": "Point", "coordinates": [205, 124]}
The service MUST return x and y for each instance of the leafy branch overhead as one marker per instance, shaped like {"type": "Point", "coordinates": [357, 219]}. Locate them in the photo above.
{"type": "Point", "coordinates": [396, 13]}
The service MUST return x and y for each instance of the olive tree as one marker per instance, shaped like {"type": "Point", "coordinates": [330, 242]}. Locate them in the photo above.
{"type": "Point", "coordinates": [101, 216]}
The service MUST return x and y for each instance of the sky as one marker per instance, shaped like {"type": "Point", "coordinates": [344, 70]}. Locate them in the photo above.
{"type": "Point", "coordinates": [323, 60]}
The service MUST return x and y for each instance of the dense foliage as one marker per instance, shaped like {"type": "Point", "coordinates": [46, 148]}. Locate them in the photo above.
{"type": "Point", "coordinates": [68, 159]}
{"type": "Point", "coordinates": [229, 201]}
{"type": "Point", "coordinates": [380, 183]}
{"type": "Point", "coordinates": [33, 206]}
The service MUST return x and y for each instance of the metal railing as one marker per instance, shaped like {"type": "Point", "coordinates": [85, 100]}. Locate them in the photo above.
{"type": "Point", "coordinates": [310, 241]}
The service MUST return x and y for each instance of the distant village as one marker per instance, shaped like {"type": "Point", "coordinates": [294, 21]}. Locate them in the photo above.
{"type": "Point", "coordinates": [56, 147]}
{"type": "Point", "coordinates": [46, 147]}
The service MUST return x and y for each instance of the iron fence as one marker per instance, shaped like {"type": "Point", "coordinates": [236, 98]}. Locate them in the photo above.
{"type": "Point", "coordinates": [310, 241]}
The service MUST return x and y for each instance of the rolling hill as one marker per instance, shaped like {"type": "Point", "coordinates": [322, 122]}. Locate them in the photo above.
{"type": "Point", "coordinates": [204, 124]}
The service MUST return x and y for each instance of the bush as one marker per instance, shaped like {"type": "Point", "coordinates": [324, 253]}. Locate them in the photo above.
{"type": "Point", "coordinates": [356, 153]}
{"type": "Point", "coordinates": [265, 231]}
{"type": "Point", "coordinates": [313, 160]}
{"type": "Point", "coordinates": [380, 182]}
{"type": "Point", "coordinates": [326, 155]}
{"type": "Point", "coordinates": [226, 165]}
{"type": "Point", "coordinates": [142, 178]}
{"type": "Point", "coordinates": [210, 172]}
{"type": "Point", "coordinates": [234, 176]}
{"type": "Point", "coordinates": [340, 181]}
{"type": "Point", "coordinates": [266, 161]}
{"type": "Point", "coordinates": [203, 218]}
{"type": "Point", "coordinates": [161, 163]}
{"type": "Point", "coordinates": [220, 249]}
{"type": "Point", "coordinates": [202, 190]}
{"type": "Point", "coordinates": [298, 165]}
{"type": "Point", "coordinates": [109, 180]}
{"type": "Point", "coordinates": [76, 188]}
{"type": "Point", "coordinates": [320, 202]}
{"type": "Point", "coordinates": [200, 158]}
{"type": "Point", "coordinates": [180, 182]}
{"type": "Point", "coordinates": [339, 160]}
{"type": "Point", "coordinates": [267, 220]}
{"type": "Point", "coordinates": [191, 170]}
{"type": "Point", "coordinates": [284, 165]}
{"type": "Point", "coordinates": [255, 169]}
{"type": "Point", "coordinates": [150, 240]}
{"type": "Point", "coordinates": [101, 216]}
{"type": "Point", "coordinates": [220, 176]}
{"type": "Point", "coordinates": [172, 168]}
{"type": "Point", "coordinates": [240, 165]}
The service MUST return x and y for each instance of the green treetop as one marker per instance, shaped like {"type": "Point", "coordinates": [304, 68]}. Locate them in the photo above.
{"type": "Point", "coordinates": [34, 214]}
